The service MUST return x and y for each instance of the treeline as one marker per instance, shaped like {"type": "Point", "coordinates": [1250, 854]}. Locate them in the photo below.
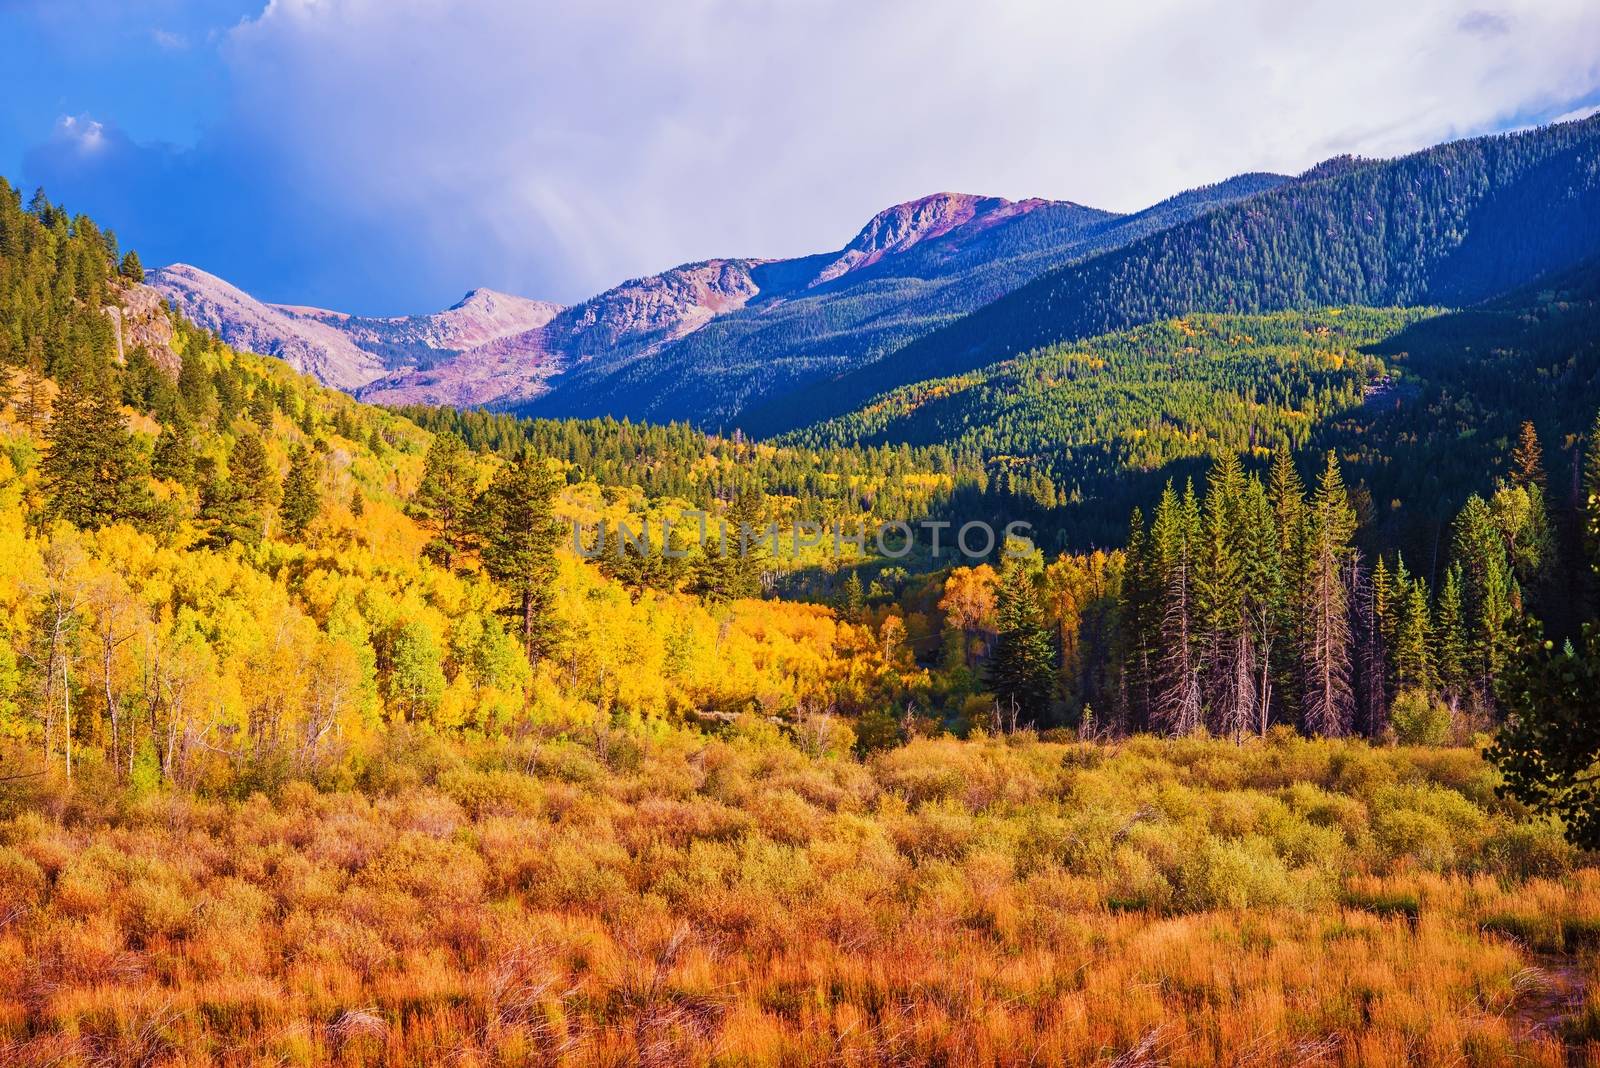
{"type": "Point", "coordinates": [1249, 604]}
{"type": "Point", "coordinates": [675, 460]}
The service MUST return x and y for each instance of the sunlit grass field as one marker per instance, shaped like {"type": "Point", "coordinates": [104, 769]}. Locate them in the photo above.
{"type": "Point", "coordinates": [659, 896]}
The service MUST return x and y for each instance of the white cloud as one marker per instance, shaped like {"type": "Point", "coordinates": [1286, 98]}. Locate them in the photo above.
{"type": "Point", "coordinates": [558, 148]}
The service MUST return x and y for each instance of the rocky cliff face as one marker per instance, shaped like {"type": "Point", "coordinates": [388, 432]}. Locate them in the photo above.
{"type": "Point", "coordinates": [139, 319]}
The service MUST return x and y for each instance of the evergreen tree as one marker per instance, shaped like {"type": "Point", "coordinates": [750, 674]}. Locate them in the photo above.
{"type": "Point", "coordinates": [93, 470]}
{"type": "Point", "coordinates": [1488, 593]}
{"type": "Point", "coordinates": [1262, 590]}
{"type": "Point", "coordinates": [195, 386]}
{"type": "Point", "coordinates": [301, 498]}
{"type": "Point", "coordinates": [1329, 699]}
{"type": "Point", "coordinates": [1286, 493]}
{"type": "Point", "coordinates": [1450, 638]}
{"type": "Point", "coordinates": [852, 598]}
{"type": "Point", "coordinates": [1175, 537]}
{"type": "Point", "coordinates": [1527, 460]}
{"type": "Point", "coordinates": [745, 533]}
{"type": "Point", "coordinates": [1022, 672]}
{"type": "Point", "coordinates": [251, 479]}
{"type": "Point", "coordinates": [1411, 651]}
{"type": "Point", "coordinates": [1137, 604]}
{"type": "Point", "coordinates": [227, 514]}
{"type": "Point", "coordinates": [130, 268]}
{"type": "Point", "coordinates": [444, 498]}
{"type": "Point", "coordinates": [174, 457]}
{"type": "Point", "coordinates": [517, 532]}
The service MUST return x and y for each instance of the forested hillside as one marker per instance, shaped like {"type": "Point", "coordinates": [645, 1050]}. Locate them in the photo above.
{"type": "Point", "coordinates": [1451, 225]}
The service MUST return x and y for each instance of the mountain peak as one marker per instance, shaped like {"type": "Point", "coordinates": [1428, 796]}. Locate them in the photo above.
{"type": "Point", "coordinates": [896, 229]}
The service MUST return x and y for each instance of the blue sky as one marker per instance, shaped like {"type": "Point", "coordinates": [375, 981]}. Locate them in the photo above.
{"type": "Point", "coordinates": [384, 156]}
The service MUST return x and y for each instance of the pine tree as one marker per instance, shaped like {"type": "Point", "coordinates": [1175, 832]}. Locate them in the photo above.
{"type": "Point", "coordinates": [852, 598]}
{"type": "Point", "coordinates": [301, 499]}
{"type": "Point", "coordinates": [1137, 603]}
{"type": "Point", "coordinates": [745, 535]}
{"type": "Point", "coordinates": [1411, 652]}
{"type": "Point", "coordinates": [1022, 672]}
{"type": "Point", "coordinates": [92, 469]}
{"type": "Point", "coordinates": [1450, 638]}
{"type": "Point", "coordinates": [251, 479]}
{"type": "Point", "coordinates": [1329, 700]}
{"type": "Point", "coordinates": [195, 385]}
{"type": "Point", "coordinates": [517, 532]}
{"type": "Point", "coordinates": [443, 500]}
{"type": "Point", "coordinates": [1527, 460]}
{"type": "Point", "coordinates": [1175, 535]}
{"type": "Point", "coordinates": [1286, 494]}
{"type": "Point", "coordinates": [174, 456]}
{"type": "Point", "coordinates": [130, 268]}
{"type": "Point", "coordinates": [1488, 593]}
{"type": "Point", "coordinates": [1262, 588]}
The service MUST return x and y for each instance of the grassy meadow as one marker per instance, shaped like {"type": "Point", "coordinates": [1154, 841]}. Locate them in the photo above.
{"type": "Point", "coordinates": [660, 896]}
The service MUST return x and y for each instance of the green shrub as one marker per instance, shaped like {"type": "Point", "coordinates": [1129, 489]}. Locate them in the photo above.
{"type": "Point", "coordinates": [1419, 718]}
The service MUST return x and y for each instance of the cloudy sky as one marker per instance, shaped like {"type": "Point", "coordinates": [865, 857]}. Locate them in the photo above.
{"type": "Point", "coordinates": [384, 156]}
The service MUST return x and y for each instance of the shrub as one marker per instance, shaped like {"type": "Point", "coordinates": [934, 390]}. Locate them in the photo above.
{"type": "Point", "coordinates": [1419, 718]}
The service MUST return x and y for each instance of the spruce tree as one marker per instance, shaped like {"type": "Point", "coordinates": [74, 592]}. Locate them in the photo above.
{"type": "Point", "coordinates": [301, 499]}
{"type": "Point", "coordinates": [1022, 671]}
{"type": "Point", "coordinates": [1488, 593]}
{"type": "Point", "coordinates": [517, 532]}
{"type": "Point", "coordinates": [251, 479]}
{"type": "Point", "coordinates": [1137, 603]}
{"type": "Point", "coordinates": [1286, 494]}
{"type": "Point", "coordinates": [1325, 655]}
{"type": "Point", "coordinates": [1175, 536]}
{"type": "Point", "coordinates": [444, 498]}
{"type": "Point", "coordinates": [852, 598]}
{"type": "Point", "coordinates": [1450, 638]}
{"type": "Point", "coordinates": [1527, 460]}
{"type": "Point", "coordinates": [93, 470]}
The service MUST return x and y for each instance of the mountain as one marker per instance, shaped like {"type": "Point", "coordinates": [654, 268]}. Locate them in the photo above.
{"type": "Point", "coordinates": [347, 351]}
{"type": "Point", "coordinates": [912, 268]}
{"type": "Point", "coordinates": [702, 340]}
{"type": "Point", "coordinates": [637, 318]}
{"type": "Point", "coordinates": [1454, 224]}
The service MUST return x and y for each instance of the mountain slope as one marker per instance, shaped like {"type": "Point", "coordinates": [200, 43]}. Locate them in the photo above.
{"type": "Point", "coordinates": [1453, 224]}
{"type": "Point", "coordinates": [346, 351]}
{"type": "Point", "coordinates": [701, 341]}
{"type": "Point", "coordinates": [910, 270]}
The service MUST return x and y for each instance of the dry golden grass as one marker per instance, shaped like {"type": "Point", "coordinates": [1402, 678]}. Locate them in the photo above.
{"type": "Point", "coordinates": [661, 897]}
